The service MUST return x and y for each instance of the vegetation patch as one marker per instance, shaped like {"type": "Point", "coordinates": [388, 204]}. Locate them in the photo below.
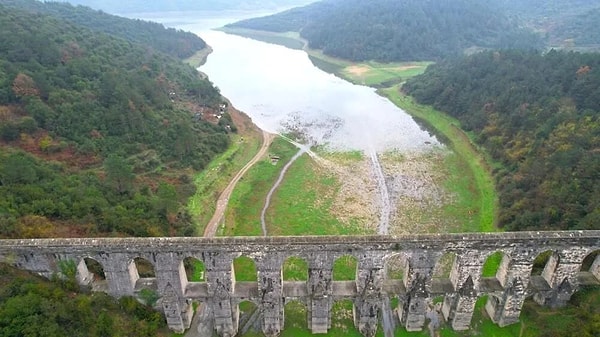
{"type": "Point", "coordinates": [30, 305]}
{"type": "Point", "coordinates": [302, 203]}
{"type": "Point", "coordinates": [199, 58]}
{"type": "Point", "coordinates": [377, 74]}
{"type": "Point", "coordinates": [217, 175]}
{"type": "Point", "coordinates": [247, 200]}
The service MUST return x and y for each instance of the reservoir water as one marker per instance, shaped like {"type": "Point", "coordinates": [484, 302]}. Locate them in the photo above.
{"type": "Point", "coordinates": [283, 92]}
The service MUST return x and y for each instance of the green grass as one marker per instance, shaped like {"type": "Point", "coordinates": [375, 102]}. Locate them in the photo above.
{"type": "Point", "coordinates": [215, 177]}
{"type": "Point", "coordinates": [295, 269]}
{"type": "Point", "coordinates": [472, 177]}
{"type": "Point", "coordinates": [302, 203]}
{"type": "Point", "coordinates": [296, 324]}
{"type": "Point", "coordinates": [344, 268]}
{"type": "Point", "coordinates": [381, 74]}
{"type": "Point", "coordinates": [199, 58]}
{"type": "Point", "coordinates": [194, 269]}
{"type": "Point", "coordinates": [490, 267]}
{"type": "Point", "coordinates": [242, 217]}
{"type": "Point", "coordinates": [245, 269]}
{"type": "Point", "coordinates": [466, 206]}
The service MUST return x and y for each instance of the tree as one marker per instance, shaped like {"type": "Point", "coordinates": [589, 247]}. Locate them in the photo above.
{"type": "Point", "coordinates": [119, 174]}
{"type": "Point", "coordinates": [24, 85]}
{"type": "Point", "coordinates": [18, 168]}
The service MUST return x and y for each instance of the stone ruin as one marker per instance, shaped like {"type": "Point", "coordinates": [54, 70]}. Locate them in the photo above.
{"type": "Point", "coordinates": [415, 257]}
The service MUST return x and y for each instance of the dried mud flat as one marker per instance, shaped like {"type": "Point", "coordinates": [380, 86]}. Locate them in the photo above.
{"type": "Point", "coordinates": [357, 193]}
{"type": "Point", "coordinates": [415, 182]}
{"type": "Point", "coordinates": [415, 185]}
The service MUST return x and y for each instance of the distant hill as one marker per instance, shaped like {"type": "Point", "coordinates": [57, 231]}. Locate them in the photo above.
{"type": "Point", "coordinates": [390, 30]}
{"type": "Point", "coordinates": [129, 6]}
{"type": "Point", "coordinates": [176, 43]}
{"type": "Point", "coordinates": [568, 24]}
{"type": "Point", "coordinates": [538, 115]}
{"type": "Point", "coordinates": [545, 8]}
{"type": "Point", "coordinates": [98, 134]}
{"type": "Point", "coordinates": [577, 31]}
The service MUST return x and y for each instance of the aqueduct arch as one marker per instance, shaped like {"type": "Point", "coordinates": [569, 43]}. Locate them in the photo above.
{"type": "Point", "coordinates": [370, 292]}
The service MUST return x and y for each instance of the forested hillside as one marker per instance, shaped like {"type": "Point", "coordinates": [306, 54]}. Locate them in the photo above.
{"type": "Point", "coordinates": [581, 30]}
{"type": "Point", "coordinates": [540, 9]}
{"type": "Point", "coordinates": [176, 43]}
{"type": "Point", "coordinates": [569, 24]}
{"type": "Point", "coordinates": [390, 30]}
{"type": "Point", "coordinates": [97, 134]}
{"type": "Point", "coordinates": [539, 117]}
{"type": "Point", "coordinates": [118, 6]}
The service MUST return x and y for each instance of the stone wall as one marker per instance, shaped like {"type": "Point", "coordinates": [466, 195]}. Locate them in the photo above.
{"type": "Point", "coordinates": [371, 291]}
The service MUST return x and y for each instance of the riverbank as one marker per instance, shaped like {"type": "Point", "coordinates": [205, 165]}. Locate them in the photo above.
{"type": "Point", "coordinates": [199, 58]}
{"type": "Point", "coordinates": [371, 73]}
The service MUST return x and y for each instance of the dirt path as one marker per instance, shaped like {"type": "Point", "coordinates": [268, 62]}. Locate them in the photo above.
{"type": "Point", "coordinates": [263, 214]}
{"type": "Point", "coordinates": [211, 227]}
{"type": "Point", "coordinates": [202, 315]}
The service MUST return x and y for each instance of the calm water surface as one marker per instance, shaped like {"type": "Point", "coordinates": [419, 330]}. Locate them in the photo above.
{"type": "Point", "coordinates": [282, 91]}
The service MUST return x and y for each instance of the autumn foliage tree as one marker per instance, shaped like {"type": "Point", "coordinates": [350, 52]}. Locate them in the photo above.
{"type": "Point", "coordinates": [24, 86]}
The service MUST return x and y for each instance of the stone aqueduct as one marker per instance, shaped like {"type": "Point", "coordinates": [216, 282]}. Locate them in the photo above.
{"type": "Point", "coordinates": [370, 292]}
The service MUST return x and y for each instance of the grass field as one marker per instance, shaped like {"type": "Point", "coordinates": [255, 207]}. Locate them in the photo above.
{"type": "Point", "coordinates": [242, 217]}
{"type": "Point", "coordinates": [302, 203]}
{"type": "Point", "coordinates": [217, 175]}
{"type": "Point", "coordinates": [199, 58]}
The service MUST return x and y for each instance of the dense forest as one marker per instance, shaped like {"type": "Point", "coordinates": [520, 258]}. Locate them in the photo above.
{"type": "Point", "coordinates": [176, 43]}
{"type": "Point", "coordinates": [33, 306]}
{"type": "Point", "coordinates": [390, 30]}
{"type": "Point", "coordinates": [570, 24]}
{"type": "Point", "coordinates": [130, 6]}
{"type": "Point", "coordinates": [538, 115]}
{"type": "Point", "coordinates": [540, 9]}
{"type": "Point", "coordinates": [97, 133]}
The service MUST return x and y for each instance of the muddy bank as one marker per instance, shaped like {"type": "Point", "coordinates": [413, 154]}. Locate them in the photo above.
{"type": "Point", "coordinates": [413, 181]}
